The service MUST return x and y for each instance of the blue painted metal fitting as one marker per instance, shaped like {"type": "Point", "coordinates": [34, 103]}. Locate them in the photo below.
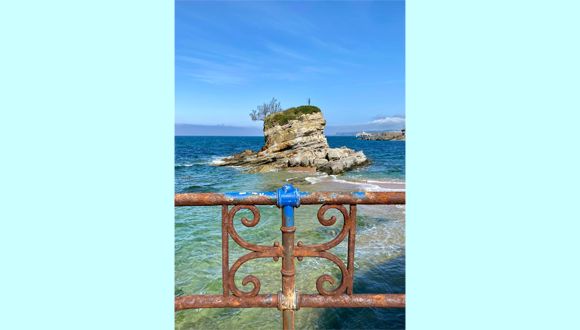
{"type": "Point", "coordinates": [288, 196]}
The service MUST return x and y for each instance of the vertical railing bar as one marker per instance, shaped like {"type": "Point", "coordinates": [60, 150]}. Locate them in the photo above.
{"type": "Point", "coordinates": [288, 319]}
{"type": "Point", "coordinates": [287, 199]}
{"type": "Point", "coordinates": [351, 242]}
{"type": "Point", "coordinates": [288, 269]}
{"type": "Point", "coordinates": [225, 250]}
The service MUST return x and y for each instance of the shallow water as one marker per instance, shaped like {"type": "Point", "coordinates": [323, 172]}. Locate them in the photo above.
{"type": "Point", "coordinates": [380, 239]}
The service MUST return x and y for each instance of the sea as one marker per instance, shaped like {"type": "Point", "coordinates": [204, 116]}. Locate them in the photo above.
{"type": "Point", "coordinates": [380, 238]}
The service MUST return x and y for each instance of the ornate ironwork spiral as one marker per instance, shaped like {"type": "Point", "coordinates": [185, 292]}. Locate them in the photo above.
{"type": "Point", "coordinates": [329, 222]}
{"type": "Point", "coordinates": [259, 251]}
{"type": "Point", "coordinates": [248, 279]}
{"type": "Point", "coordinates": [327, 278]}
{"type": "Point", "coordinates": [234, 234]}
{"type": "Point", "coordinates": [319, 251]}
{"type": "Point", "coordinates": [245, 221]}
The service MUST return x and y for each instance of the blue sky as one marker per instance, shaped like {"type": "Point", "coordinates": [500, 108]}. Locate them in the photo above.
{"type": "Point", "coordinates": [347, 57]}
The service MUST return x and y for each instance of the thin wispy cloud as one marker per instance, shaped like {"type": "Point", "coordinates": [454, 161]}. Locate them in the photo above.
{"type": "Point", "coordinates": [374, 83]}
{"type": "Point", "coordinates": [216, 73]}
{"type": "Point", "coordinates": [385, 121]}
{"type": "Point", "coordinates": [277, 16]}
{"type": "Point", "coordinates": [347, 63]}
{"type": "Point", "coordinates": [189, 15]}
{"type": "Point", "coordinates": [294, 26]}
{"type": "Point", "coordinates": [334, 47]}
{"type": "Point", "coordinates": [215, 55]}
{"type": "Point", "coordinates": [280, 75]}
{"type": "Point", "coordinates": [317, 69]}
{"type": "Point", "coordinates": [217, 78]}
{"type": "Point", "coordinates": [286, 52]}
{"type": "Point", "coordinates": [194, 60]}
{"type": "Point", "coordinates": [379, 116]}
{"type": "Point", "coordinates": [212, 64]}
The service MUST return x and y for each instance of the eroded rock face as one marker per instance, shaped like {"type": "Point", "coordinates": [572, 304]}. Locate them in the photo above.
{"type": "Point", "coordinates": [306, 132]}
{"type": "Point", "coordinates": [299, 142]}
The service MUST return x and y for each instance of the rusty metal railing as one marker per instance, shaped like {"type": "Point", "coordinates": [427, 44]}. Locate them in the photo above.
{"type": "Point", "coordinates": [289, 300]}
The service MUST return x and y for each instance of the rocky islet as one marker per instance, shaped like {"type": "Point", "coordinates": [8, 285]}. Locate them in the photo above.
{"type": "Point", "coordinates": [297, 143]}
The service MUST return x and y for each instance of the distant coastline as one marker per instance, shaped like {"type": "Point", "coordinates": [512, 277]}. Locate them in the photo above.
{"type": "Point", "coordinates": [354, 133]}
{"type": "Point", "coordinates": [376, 135]}
{"type": "Point", "coordinates": [386, 136]}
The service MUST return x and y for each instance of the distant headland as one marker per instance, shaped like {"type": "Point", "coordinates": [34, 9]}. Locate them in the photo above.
{"type": "Point", "coordinates": [384, 136]}
{"type": "Point", "coordinates": [376, 135]}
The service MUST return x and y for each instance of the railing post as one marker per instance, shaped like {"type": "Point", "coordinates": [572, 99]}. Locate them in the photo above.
{"type": "Point", "coordinates": [288, 198]}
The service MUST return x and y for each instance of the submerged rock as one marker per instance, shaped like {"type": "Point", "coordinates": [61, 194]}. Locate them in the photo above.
{"type": "Point", "coordinates": [297, 143]}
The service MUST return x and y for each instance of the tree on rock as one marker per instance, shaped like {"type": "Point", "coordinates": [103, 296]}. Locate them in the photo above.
{"type": "Point", "coordinates": [266, 109]}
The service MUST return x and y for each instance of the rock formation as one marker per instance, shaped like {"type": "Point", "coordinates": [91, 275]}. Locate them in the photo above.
{"type": "Point", "coordinates": [386, 136]}
{"type": "Point", "coordinates": [298, 142]}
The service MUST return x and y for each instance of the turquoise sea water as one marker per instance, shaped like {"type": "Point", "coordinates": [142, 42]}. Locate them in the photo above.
{"type": "Point", "coordinates": [380, 240]}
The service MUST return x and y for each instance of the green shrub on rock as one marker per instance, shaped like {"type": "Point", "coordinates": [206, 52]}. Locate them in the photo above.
{"type": "Point", "coordinates": [285, 116]}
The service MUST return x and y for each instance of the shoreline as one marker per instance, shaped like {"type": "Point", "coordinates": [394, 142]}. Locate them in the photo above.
{"type": "Point", "coordinates": [389, 185]}
{"type": "Point", "coordinates": [338, 180]}
{"type": "Point", "coordinates": [333, 183]}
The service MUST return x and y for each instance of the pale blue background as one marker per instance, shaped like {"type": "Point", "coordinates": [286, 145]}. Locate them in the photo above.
{"type": "Point", "coordinates": [87, 165]}
{"type": "Point", "coordinates": [86, 137]}
{"type": "Point", "coordinates": [492, 168]}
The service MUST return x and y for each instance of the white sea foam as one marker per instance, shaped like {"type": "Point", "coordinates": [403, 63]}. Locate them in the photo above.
{"type": "Point", "coordinates": [364, 185]}
{"type": "Point", "coordinates": [361, 185]}
{"type": "Point", "coordinates": [216, 160]}
{"type": "Point", "coordinates": [315, 179]}
{"type": "Point", "coordinates": [389, 181]}
{"type": "Point", "coordinates": [367, 185]}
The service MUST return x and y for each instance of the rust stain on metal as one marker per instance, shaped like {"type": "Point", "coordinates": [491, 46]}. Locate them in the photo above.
{"type": "Point", "coordinates": [287, 301]}
{"type": "Point", "coordinates": [217, 301]}
{"type": "Point", "coordinates": [209, 199]}
{"type": "Point", "coordinates": [304, 301]}
{"type": "Point", "coordinates": [353, 301]}
{"type": "Point", "coordinates": [351, 240]}
{"type": "Point", "coordinates": [354, 198]}
{"type": "Point", "coordinates": [288, 319]}
{"type": "Point", "coordinates": [292, 301]}
{"type": "Point", "coordinates": [225, 253]}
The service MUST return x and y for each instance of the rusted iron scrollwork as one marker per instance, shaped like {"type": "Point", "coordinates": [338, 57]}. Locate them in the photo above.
{"type": "Point", "coordinates": [289, 300]}
{"type": "Point", "coordinates": [319, 251]}
{"type": "Point", "coordinates": [259, 251]}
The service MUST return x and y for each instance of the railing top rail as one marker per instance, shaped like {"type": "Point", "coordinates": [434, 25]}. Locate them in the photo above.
{"type": "Point", "coordinates": [306, 198]}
